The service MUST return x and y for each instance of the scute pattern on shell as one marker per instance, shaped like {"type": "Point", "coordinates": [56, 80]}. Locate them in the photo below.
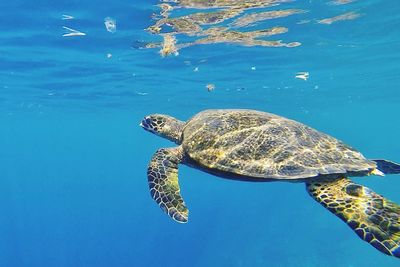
{"type": "Point", "coordinates": [263, 145]}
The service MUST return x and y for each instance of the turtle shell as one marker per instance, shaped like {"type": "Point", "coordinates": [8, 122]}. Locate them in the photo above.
{"type": "Point", "coordinates": [257, 144]}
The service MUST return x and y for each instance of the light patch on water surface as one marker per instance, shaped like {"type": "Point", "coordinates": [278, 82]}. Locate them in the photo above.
{"type": "Point", "coordinates": [201, 24]}
{"type": "Point", "coordinates": [341, 2]}
{"type": "Point", "coordinates": [250, 19]}
{"type": "Point", "coordinates": [346, 16]}
{"type": "Point", "coordinates": [219, 21]}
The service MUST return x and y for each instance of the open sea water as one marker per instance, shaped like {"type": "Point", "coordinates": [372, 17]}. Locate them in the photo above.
{"type": "Point", "coordinates": [73, 159]}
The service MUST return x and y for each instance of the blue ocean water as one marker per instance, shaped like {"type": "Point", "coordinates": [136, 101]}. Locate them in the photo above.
{"type": "Point", "coordinates": [73, 186]}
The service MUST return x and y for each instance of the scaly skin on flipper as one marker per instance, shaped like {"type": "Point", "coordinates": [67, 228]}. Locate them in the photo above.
{"type": "Point", "coordinates": [373, 218]}
{"type": "Point", "coordinates": [162, 175]}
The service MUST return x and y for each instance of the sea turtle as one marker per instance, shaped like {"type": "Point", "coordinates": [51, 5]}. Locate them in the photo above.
{"type": "Point", "coordinates": [251, 145]}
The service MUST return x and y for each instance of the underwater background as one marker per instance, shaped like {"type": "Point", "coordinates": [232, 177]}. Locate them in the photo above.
{"type": "Point", "coordinates": [73, 159]}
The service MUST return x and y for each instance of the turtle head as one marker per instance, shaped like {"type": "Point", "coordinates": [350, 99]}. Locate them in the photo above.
{"type": "Point", "coordinates": [164, 126]}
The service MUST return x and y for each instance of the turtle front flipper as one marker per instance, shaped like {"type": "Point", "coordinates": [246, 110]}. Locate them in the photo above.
{"type": "Point", "coordinates": [374, 218]}
{"type": "Point", "coordinates": [162, 175]}
{"type": "Point", "coordinates": [387, 167]}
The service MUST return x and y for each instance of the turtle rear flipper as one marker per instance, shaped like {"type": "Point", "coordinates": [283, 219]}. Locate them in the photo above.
{"type": "Point", "coordinates": [162, 175]}
{"type": "Point", "coordinates": [374, 218]}
{"type": "Point", "coordinates": [387, 167]}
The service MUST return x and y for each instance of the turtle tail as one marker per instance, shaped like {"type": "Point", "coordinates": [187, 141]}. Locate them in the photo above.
{"type": "Point", "coordinates": [387, 167]}
{"type": "Point", "coordinates": [373, 218]}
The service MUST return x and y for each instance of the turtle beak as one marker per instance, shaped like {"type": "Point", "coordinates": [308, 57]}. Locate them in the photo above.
{"type": "Point", "coordinates": [146, 123]}
{"type": "Point", "coordinates": [143, 123]}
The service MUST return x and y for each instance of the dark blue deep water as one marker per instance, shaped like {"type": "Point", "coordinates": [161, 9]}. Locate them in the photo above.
{"type": "Point", "coordinates": [73, 185]}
